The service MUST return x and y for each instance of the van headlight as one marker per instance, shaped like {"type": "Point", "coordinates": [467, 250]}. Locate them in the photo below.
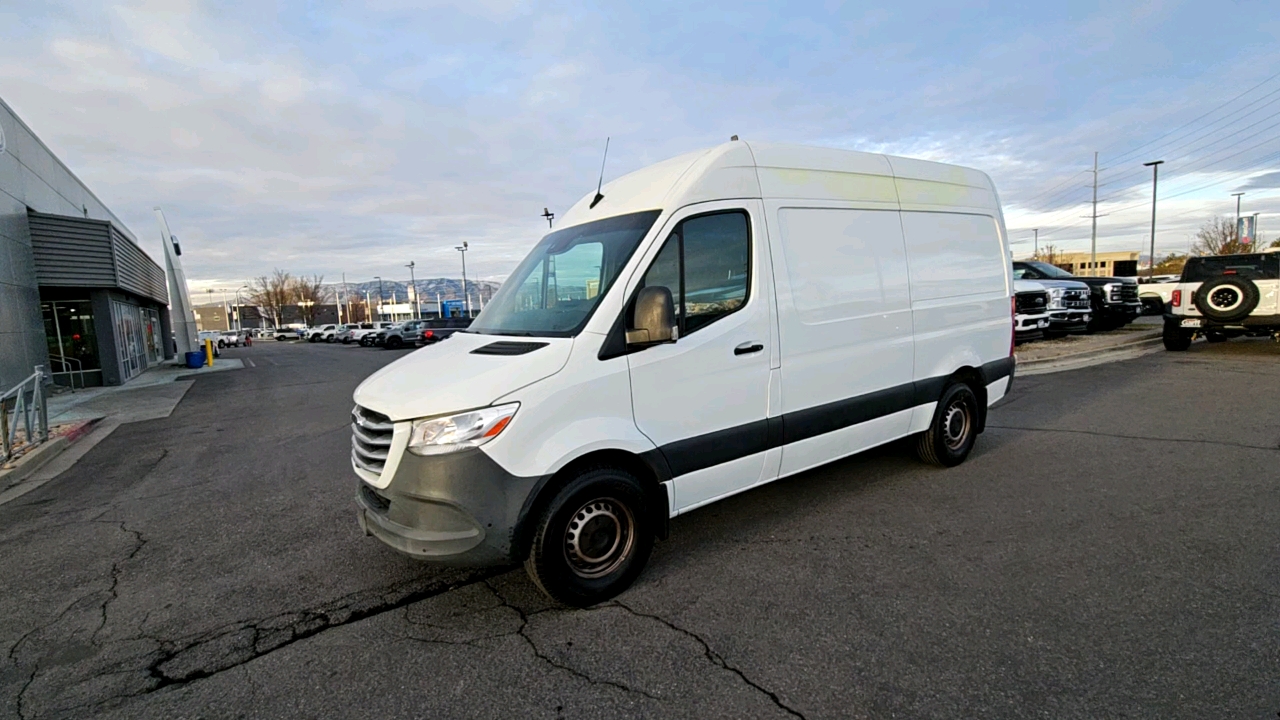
{"type": "Point", "coordinates": [441, 435]}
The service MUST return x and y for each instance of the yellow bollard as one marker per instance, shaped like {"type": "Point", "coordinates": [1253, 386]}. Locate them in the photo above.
{"type": "Point", "coordinates": [208, 352]}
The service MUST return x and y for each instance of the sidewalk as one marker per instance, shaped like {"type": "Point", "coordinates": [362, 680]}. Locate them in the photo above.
{"type": "Point", "coordinates": [84, 418]}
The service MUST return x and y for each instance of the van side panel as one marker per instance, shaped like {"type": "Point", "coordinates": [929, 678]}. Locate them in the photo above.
{"type": "Point", "coordinates": [959, 290]}
{"type": "Point", "coordinates": [845, 328]}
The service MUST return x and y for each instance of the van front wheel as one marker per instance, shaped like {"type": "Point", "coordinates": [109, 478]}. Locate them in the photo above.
{"type": "Point", "coordinates": [953, 430]}
{"type": "Point", "coordinates": [593, 538]}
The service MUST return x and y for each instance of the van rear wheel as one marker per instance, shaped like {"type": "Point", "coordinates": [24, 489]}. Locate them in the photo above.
{"type": "Point", "coordinates": [953, 430]}
{"type": "Point", "coordinates": [593, 539]}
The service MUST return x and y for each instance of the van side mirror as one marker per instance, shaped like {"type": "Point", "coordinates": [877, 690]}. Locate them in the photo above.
{"type": "Point", "coordinates": [655, 318]}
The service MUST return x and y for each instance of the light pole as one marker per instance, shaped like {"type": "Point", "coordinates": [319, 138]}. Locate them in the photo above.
{"type": "Point", "coordinates": [1237, 225]}
{"type": "Point", "coordinates": [1036, 253]}
{"type": "Point", "coordinates": [239, 323]}
{"type": "Point", "coordinates": [413, 289]}
{"type": "Point", "coordinates": [379, 279]}
{"type": "Point", "coordinates": [466, 299]}
{"type": "Point", "coordinates": [1155, 179]}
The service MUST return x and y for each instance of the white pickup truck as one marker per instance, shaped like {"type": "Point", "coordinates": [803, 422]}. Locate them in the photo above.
{"type": "Point", "coordinates": [365, 333]}
{"type": "Point", "coordinates": [1156, 292]}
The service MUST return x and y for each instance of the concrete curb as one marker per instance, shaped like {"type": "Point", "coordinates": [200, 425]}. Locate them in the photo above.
{"type": "Point", "coordinates": [1075, 361]}
{"type": "Point", "coordinates": [26, 465]}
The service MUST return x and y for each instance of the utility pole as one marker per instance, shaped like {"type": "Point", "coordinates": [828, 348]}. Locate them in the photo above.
{"type": "Point", "coordinates": [379, 279]}
{"type": "Point", "coordinates": [1036, 253]}
{"type": "Point", "coordinates": [466, 299]}
{"type": "Point", "coordinates": [1093, 243]}
{"type": "Point", "coordinates": [1237, 225]}
{"type": "Point", "coordinates": [1155, 178]}
{"type": "Point", "coordinates": [413, 289]}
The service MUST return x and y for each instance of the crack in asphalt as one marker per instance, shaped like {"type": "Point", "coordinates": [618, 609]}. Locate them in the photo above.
{"type": "Point", "coordinates": [138, 543]}
{"type": "Point", "coordinates": [713, 656]}
{"type": "Point", "coordinates": [520, 631]}
{"type": "Point", "coordinates": [279, 631]}
{"type": "Point", "coordinates": [1095, 433]}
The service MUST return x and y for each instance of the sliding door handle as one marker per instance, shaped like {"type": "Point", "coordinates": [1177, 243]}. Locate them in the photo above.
{"type": "Point", "coordinates": [747, 348]}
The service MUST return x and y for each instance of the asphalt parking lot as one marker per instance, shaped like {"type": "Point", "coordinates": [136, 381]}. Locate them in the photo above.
{"type": "Point", "coordinates": [1111, 549]}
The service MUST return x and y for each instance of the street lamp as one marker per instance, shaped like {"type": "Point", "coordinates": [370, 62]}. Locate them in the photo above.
{"type": "Point", "coordinates": [379, 279]}
{"type": "Point", "coordinates": [1155, 179]}
{"type": "Point", "coordinates": [1237, 225]}
{"type": "Point", "coordinates": [466, 298]}
{"type": "Point", "coordinates": [413, 289]}
{"type": "Point", "coordinates": [239, 324]}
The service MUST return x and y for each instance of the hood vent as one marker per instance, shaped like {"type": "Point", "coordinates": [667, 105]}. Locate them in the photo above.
{"type": "Point", "coordinates": [507, 347]}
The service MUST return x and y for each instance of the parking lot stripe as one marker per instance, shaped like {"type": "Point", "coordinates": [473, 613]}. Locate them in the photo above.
{"type": "Point", "coordinates": [249, 362]}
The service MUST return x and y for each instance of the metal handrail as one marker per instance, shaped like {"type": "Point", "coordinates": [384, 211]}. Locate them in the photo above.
{"type": "Point", "coordinates": [28, 403]}
{"type": "Point", "coordinates": [69, 370]}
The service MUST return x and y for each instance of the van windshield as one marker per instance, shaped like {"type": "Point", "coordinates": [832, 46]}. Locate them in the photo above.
{"type": "Point", "coordinates": [556, 288]}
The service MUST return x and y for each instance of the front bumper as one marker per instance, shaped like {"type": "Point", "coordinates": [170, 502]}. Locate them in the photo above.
{"type": "Point", "coordinates": [456, 509]}
{"type": "Point", "coordinates": [1120, 309]}
{"type": "Point", "coordinates": [1069, 320]}
{"type": "Point", "coordinates": [1030, 327]}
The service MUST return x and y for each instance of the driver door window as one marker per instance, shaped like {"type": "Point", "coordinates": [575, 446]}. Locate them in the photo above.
{"type": "Point", "coordinates": [705, 263]}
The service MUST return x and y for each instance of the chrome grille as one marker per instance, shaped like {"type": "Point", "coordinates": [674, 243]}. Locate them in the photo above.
{"type": "Point", "coordinates": [1032, 302]}
{"type": "Point", "coordinates": [370, 439]}
{"type": "Point", "coordinates": [1075, 299]}
{"type": "Point", "coordinates": [1128, 293]}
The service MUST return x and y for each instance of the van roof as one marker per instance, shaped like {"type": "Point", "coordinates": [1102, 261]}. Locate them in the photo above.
{"type": "Point", "coordinates": [778, 171]}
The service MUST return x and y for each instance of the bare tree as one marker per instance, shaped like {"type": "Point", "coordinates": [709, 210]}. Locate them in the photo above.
{"type": "Point", "coordinates": [1218, 237]}
{"type": "Point", "coordinates": [309, 292]}
{"type": "Point", "coordinates": [272, 293]}
{"type": "Point", "coordinates": [1049, 253]}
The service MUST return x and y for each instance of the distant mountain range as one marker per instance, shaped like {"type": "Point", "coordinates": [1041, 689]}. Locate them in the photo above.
{"type": "Point", "coordinates": [427, 288]}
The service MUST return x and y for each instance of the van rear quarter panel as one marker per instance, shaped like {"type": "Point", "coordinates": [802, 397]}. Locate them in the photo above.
{"type": "Point", "coordinates": [959, 290]}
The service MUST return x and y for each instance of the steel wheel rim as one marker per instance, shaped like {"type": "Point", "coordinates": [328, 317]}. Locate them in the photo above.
{"type": "Point", "coordinates": [955, 424]}
{"type": "Point", "coordinates": [599, 537]}
{"type": "Point", "coordinates": [1225, 299]}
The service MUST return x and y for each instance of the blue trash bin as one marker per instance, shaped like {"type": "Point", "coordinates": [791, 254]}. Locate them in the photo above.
{"type": "Point", "coordinates": [195, 360]}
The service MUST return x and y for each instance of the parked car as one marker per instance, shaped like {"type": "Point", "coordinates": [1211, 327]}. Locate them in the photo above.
{"type": "Point", "coordinates": [1031, 310]}
{"type": "Point", "coordinates": [324, 332]}
{"type": "Point", "coordinates": [1070, 307]}
{"type": "Point", "coordinates": [233, 338]}
{"type": "Point", "coordinates": [212, 335]}
{"type": "Point", "coordinates": [367, 337]}
{"type": "Point", "coordinates": [574, 418]}
{"type": "Point", "coordinates": [1155, 292]}
{"type": "Point", "coordinates": [407, 333]}
{"type": "Point", "coordinates": [285, 333]}
{"type": "Point", "coordinates": [1224, 296]}
{"type": "Point", "coordinates": [1113, 301]}
{"type": "Point", "coordinates": [433, 331]}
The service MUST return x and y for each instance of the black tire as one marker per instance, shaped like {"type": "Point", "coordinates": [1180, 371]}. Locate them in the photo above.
{"type": "Point", "coordinates": [329, 339]}
{"type": "Point", "coordinates": [394, 342]}
{"type": "Point", "coordinates": [1229, 298]}
{"type": "Point", "coordinates": [954, 428]}
{"type": "Point", "coordinates": [1175, 338]}
{"type": "Point", "coordinates": [1215, 337]}
{"type": "Point", "coordinates": [346, 341]}
{"type": "Point", "coordinates": [602, 510]}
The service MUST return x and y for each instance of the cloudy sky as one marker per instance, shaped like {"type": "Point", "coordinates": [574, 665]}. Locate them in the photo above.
{"type": "Point", "coordinates": [335, 137]}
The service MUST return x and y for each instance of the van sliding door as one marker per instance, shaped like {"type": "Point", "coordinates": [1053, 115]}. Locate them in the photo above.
{"type": "Point", "coordinates": [845, 329]}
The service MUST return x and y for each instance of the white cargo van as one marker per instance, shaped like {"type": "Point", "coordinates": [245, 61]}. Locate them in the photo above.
{"type": "Point", "coordinates": [703, 326]}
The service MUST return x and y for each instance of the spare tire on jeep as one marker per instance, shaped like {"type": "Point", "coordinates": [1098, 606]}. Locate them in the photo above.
{"type": "Point", "coordinates": [1229, 298]}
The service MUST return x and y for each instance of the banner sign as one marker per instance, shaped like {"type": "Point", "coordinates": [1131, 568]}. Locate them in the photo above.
{"type": "Point", "coordinates": [1245, 229]}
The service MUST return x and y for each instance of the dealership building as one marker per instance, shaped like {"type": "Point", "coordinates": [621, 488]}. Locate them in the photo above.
{"type": "Point", "coordinates": [78, 295]}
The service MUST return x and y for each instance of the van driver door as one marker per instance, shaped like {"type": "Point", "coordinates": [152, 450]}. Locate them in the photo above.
{"type": "Point", "coordinates": [704, 399]}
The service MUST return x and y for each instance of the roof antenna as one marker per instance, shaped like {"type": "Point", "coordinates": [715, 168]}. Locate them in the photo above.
{"type": "Point", "coordinates": [596, 200]}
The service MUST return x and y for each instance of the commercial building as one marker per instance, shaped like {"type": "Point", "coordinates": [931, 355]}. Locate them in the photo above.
{"type": "Point", "coordinates": [1108, 264]}
{"type": "Point", "coordinates": [77, 293]}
